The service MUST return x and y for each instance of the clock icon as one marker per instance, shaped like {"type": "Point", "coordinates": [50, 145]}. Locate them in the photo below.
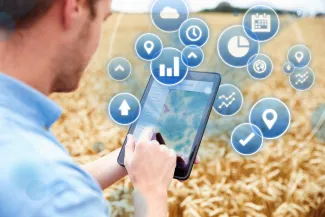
{"type": "Point", "coordinates": [193, 33]}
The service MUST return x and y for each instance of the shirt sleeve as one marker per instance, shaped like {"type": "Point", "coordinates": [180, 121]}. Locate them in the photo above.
{"type": "Point", "coordinates": [73, 201]}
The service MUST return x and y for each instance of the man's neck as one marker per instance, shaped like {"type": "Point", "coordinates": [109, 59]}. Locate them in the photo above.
{"type": "Point", "coordinates": [28, 62]}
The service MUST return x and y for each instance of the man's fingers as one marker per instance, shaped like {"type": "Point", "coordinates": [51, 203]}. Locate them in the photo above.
{"type": "Point", "coordinates": [160, 139]}
{"type": "Point", "coordinates": [129, 148]}
{"type": "Point", "coordinates": [197, 160]}
{"type": "Point", "coordinates": [146, 135]}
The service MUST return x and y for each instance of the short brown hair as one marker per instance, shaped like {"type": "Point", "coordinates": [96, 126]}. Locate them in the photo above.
{"type": "Point", "coordinates": [25, 12]}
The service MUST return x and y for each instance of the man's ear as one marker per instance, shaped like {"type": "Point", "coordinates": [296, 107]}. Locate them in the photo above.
{"type": "Point", "coordinates": [71, 8]}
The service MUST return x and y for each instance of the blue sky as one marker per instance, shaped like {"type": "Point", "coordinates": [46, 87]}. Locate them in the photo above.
{"type": "Point", "coordinates": [141, 6]}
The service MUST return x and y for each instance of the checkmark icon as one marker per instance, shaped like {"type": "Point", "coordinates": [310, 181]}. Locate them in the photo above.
{"type": "Point", "coordinates": [249, 138]}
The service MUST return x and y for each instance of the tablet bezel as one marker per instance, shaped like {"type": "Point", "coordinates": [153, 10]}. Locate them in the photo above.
{"type": "Point", "coordinates": [181, 174]}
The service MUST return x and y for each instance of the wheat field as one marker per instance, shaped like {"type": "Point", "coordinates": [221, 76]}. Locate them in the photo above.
{"type": "Point", "coordinates": [285, 179]}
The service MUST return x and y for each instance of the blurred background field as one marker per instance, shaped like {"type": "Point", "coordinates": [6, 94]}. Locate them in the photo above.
{"type": "Point", "coordinates": [286, 178]}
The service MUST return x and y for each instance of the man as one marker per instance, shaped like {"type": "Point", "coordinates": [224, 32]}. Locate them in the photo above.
{"type": "Point", "coordinates": [52, 44]}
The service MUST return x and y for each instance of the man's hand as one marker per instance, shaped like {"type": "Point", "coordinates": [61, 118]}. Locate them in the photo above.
{"type": "Point", "coordinates": [107, 171]}
{"type": "Point", "coordinates": [151, 166]}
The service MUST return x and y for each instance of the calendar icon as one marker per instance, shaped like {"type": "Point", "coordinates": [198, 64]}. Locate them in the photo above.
{"type": "Point", "coordinates": [261, 23]}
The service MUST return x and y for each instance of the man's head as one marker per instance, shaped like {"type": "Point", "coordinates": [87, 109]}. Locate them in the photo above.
{"type": "Point", "coordinates": [62, 34]}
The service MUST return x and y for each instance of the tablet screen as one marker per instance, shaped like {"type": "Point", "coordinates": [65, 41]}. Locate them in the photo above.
{"type": "Point", "coordinates": [176, 112]}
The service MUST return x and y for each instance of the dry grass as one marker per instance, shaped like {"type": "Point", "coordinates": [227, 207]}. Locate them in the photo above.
{"type": "Point", "coordinates": [287, 178]}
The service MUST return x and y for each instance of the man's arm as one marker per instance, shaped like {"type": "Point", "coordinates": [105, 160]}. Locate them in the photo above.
{"type": "Point", "coordinates": [154, 205]}
{"type": "Point", "coordinates": [106, 170]}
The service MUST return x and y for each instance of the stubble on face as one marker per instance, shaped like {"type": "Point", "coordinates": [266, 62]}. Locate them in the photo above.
{"type": "Point", "coordinates": [71, 62]}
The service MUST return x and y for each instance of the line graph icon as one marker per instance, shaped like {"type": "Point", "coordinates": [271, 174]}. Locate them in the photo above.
{"type": "Point", "coordinates": [225, 103]}
{"type": "Point", "coordinates": [303, 75]}
{"type": "Point", "coordinates": [228, 101]}
{"type": "Point", "coordinates": [302, 79]}
{"type": "Point", "coordinates": [227, 98]}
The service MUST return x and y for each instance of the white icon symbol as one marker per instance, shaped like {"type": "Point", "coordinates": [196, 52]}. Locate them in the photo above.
{"type": "Point", "coordinates": [193, 33]}
{"type": "Point", "coordinates": [261, 23]}
{"type": "Point", "coordinates": [119, 68]}
{"type": "Point", "coordinates": [238, 46]}
{"type": "Point", "coordinates": [162, 69]}
{"type": "Point", "coordinates": [230, 98]}
{"type": "Point", "coordinates": [299, 56]}
{"type": "Point", "coordinates": [288, 67]}
{"type": "Point", "coordinates": [299, 13]}
{"type": "Point", "coordinates": [124, 108]}
{"type": "Point", "coordinates": [148, 46]}
{"type": "Point", "coordinates": [259, 66]}
{"type": "Point", "coordinates": [270, 122]}
{"type": "Point", "coordinates": [247, 140]}
{"type": "Point", "coordinates": [169, 13]}
{"type": "Point", "coordinates": [302, 78]}
{"type": "Point", "coordinates": [192, 55]}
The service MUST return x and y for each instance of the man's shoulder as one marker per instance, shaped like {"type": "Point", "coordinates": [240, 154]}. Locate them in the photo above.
{"type": "Point", "coordinates": [25, 138]}
{"type": "Point", "coordinates": [32, 187]}
{"type": "Point", "coordinates": [36, 172]}
{"type": "Point", "coordinates": [34, 154]}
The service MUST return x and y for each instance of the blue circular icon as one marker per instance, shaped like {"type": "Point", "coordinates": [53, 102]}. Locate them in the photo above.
{"type": "Point", "coordinates": [148, 46]}
{"type": "Point", "coordinates": [299, 56]}
{"type": "Point", "coordinates": [168, 15]}
{"type": "Point", "coordinates": [271, 116]}
{"type": "Point", "coordinates": [194, 32]}
{"type": "Point", "coordinates": [260, 66]}
{"type": "Point", "coordinates": [192, 56]}
{"type": "Point", "coordinates": [235, 48]}
{"type": "Point", "coordinates": [247, 139]}
{"type": "Point", "coordinates": [288, 68]}
{"type": "Point", "coordinates": [124, 109]}
{"type": "Point", "coordinates": [261, 23]}
{"type": "Point", "coordinates": [229, 100]}
{"type": "Point", "coordinates": [299, 13]}
{"type": "Point", "coordinates": [302, 79]}
{"type": "Point", "coordinates": [168, 69]}
{"type": "Point", "coordinates": [119, 69]}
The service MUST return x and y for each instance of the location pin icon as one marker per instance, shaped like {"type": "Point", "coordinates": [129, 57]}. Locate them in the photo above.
{"type": "Point", "coordinates": [299, 13]}
{"type": "Point", "coordinates": [299, 56]}
{"type": "Point", "coordinates": [148, 46]}
{"type": "Point", "coordinates": [270, 122]}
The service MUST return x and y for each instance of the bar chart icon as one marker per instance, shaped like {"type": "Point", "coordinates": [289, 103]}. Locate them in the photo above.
{"type": "Point", "coordinates": [169, 68]}
{"type": "Point", "coordinates": [170, 72]}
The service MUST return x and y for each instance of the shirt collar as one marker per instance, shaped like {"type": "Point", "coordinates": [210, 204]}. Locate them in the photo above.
{"type": "Point", "coordinates": [28, 102]}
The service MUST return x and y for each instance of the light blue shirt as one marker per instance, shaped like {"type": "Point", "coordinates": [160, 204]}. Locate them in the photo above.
{"type": "Point", "coordinates": [37, 176]}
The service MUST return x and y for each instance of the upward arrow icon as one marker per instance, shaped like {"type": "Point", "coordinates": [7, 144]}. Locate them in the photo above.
{"type": "Point", "coordinates": [119, 68]}
{"type": "Point", "coordinates": [124, 108]}
{"type": "Point", "coordinates": [192, 55]}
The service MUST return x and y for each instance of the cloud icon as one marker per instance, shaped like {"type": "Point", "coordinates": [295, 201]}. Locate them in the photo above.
{"type": "Point", "coordinates": [169, 13]}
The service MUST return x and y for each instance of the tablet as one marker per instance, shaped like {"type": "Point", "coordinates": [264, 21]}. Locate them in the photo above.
{"type": "Point", "coordinates": [180, 114]}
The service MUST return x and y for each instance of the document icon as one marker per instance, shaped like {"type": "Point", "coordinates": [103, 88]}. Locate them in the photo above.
{"type": "Point", "coordinates": [261, 23]}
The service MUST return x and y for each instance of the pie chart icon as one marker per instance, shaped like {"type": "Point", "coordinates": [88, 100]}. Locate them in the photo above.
{"type": "Point", "coordinates": [238, 46]}
{"type": "Point", "coordinates": [235, 48]}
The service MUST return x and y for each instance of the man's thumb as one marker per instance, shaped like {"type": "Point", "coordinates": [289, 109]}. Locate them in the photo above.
{"type": "Point", "coordinates": [129, 148]}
